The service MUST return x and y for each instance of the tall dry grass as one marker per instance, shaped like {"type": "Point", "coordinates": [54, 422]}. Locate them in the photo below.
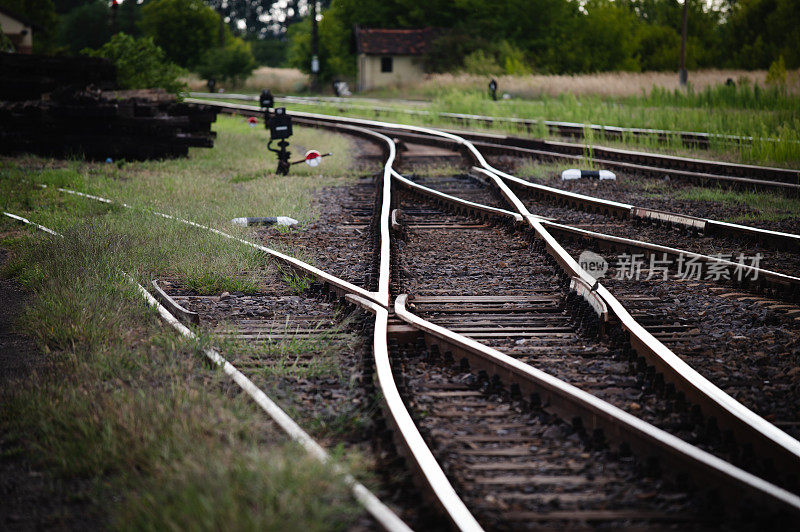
{"type": "Point", "coordinates": [605, 84]}
{"type": "Point", "coordinates": [278, 80]}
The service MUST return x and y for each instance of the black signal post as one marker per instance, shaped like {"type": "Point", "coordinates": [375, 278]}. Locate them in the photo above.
{"type": "Point", "coordinates": [266, 101]}
{"type": "Point", "coordinates": [280, 129]}
{"type": "Point", "coordinates": [493, 89]}
{"type": "Point", "coordinates": [114, 8]}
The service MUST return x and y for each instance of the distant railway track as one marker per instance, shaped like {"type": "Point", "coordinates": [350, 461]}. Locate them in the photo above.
{"type": "Point", "coordinates": [554, 127]}
{"type": "Point", "coordinates": [643, 164]}
{"type": "Point", "coordinates": [551, 300]}
{"type": "Point", "coordinates": [774, 239]}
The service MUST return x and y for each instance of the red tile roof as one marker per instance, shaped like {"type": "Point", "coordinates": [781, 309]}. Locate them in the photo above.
{"type": "Point", "coordinates": [394, 42]}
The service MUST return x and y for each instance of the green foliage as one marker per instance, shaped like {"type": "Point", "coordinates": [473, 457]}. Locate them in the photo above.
{"type": "Point", "coordinates": [777, 73]}
{"type": "Point", "coordinates": [513, 59]}
{"type": "Point", "coordinates": [482, 64]}
{"type": "Point", "coordinates": [5, 43]}
{"type": "Point", "coordinates": [86, 26]}
{"type": "Point", "coordinates": [565, 36]}
{"type": "Point", "coordinates": [233, 63]}
{"type": "Point", "coordinates": [269, 52]}
{"type": "Point", "coordinates": [659, 47]}
{"type": "Point", "coordinates": [140, 63]}
{"type": "Point", "coordinates": [741, 96]}
{"type": "Point", "coordinates": [604, 39]}
{"type": "Point", "coordinates": [495, 60]}
{"type": "Point", "coordinates": [759, 31]}
{"type": "Point", "coordinates": [335, 57]}
{"type": "Point", "coordinates": [184, 29]}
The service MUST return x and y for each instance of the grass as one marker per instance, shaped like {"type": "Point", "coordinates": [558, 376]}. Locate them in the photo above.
{"type": "Point", "coordinates": [761, 206]}
{"type": "Point", "coordinates": [289, 356]}
{"type": "Point", "coordinates": [643, 100]}
{"type": "Point", "coordinates": [121, 410]}
{"type": "Point", "coordinates": [602, 84]}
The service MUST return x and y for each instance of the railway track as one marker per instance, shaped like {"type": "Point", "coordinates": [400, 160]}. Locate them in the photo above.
{"type": "Point", "coordinates": [554, 127]}
{"type": "Point", "coordinates": [669, 328]}
{"type": "Point", "coordinates": [635, 163]}
{"type": "Point", "coordinates": [571, 310]}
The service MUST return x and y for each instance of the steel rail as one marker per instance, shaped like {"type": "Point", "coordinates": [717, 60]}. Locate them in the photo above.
{"type": "Point", "coordinates": [338, 285]}
{"type": "Point", "coordinates": [478, 210]}
{"type": "Point", "coordinates": [411, 441]}
{"type": "Point", "coordinates": [571, 129]}
{"type": "Point", "coordinates": [382, 513]}
{"type": "Point", "coordinates": [567, 401]}
{"type": "Point", "coordinates": [460, 137]}
{"type": "Point", "coordinates": [578, 201]}
{"type": "Point", "coordinates": [604, 206]}
{"type": "Point", "coordinates": [416, 450]}
{"type": "Point", "coordinates": [626, 211]}
{"type": "Point", "coordinates": [785, 286]}
{"type": "Point", "coordinates": [745, 424]}
{"type": "Point", "coordinates": [644, 159]}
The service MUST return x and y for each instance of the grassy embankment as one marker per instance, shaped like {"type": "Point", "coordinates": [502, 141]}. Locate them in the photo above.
{"type": "Point", "coordinates": [646, 100]}
{"type": "Point", "coordinates": [122, 412]}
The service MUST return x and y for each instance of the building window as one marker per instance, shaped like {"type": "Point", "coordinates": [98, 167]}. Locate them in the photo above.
{"type": "Point", "coordinates": [386, 64]}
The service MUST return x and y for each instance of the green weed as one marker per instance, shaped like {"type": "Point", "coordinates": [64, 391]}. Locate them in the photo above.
{"type": "Point", "coordinates": [121, 402]}
{"type": "Point", "coordinates": [761, 206]}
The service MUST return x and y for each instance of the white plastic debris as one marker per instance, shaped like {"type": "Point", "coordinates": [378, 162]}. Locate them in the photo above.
{"type": "Point", "coordinates": [285, 220]}
{"type": "Point", "coordinates": [574, 173]}
{"type": "Point", "coordinates": [268, 220]}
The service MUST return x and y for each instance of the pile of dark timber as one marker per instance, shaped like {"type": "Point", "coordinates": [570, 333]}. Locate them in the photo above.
{"type": "Point", "coordinates": [67, 116]}
{"type": "Point", "coordinates": [28, 77]}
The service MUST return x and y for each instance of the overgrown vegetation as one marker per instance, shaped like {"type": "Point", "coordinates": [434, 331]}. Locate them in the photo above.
{"type": "Point", "coordinates": [762, 206]}
{"type": "Point", "coordinates": [476, 36]}
{"type": "Point", "coordinates": [767, 119]}
{"type": "Point", "coordinates": [492, 38]}
{"type": "Point", "coordinates": [140, 63]}
{"type": "Point", "coordinates": [122, 411]}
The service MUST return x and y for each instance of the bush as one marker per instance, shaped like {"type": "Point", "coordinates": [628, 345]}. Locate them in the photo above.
{"type": "Point", "coordinates": [140, 63]}
{"type": "Point", "coordinates": [482, 64]}
{"type": "Point", "coordinates": [776, 75]}
{"type": "Point", "coordinates": [233, 63]}
{"type": "Point", "coordinates": [185, 29]}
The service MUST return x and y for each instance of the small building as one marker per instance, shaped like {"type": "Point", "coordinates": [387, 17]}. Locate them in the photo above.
{"type": "Point", "coordinates": [18, 29]}
{"type": "Point", "coordinates": [390, 57]}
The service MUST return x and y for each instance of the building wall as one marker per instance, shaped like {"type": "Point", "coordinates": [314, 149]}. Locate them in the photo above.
{"type": "Point", "coordinates": [13, 29]}
{"type": "Point", "coordinates": [405, 69]}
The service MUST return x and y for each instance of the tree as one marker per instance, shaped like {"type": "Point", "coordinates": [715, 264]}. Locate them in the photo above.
{"type": "Point", "coordinates": [605, 38]}
{"type": "Point", "coordinates": [335, 56]}
{"type": "Point", "coordinates": [269, 51]}
{"type": "Point", "coordinates": [233, 63]}
{"type": "Point", "coordinates": [759, 31]}
{"type": "Point", "coordinates": [86, 26]}
{"type": "Point", "coordinates": [140, 63]}
{"type": "Point", "coordinates": [184, 29]}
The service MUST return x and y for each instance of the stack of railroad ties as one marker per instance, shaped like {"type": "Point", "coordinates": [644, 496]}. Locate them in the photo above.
{"type": "Point", "coordinates": [64, 107]}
